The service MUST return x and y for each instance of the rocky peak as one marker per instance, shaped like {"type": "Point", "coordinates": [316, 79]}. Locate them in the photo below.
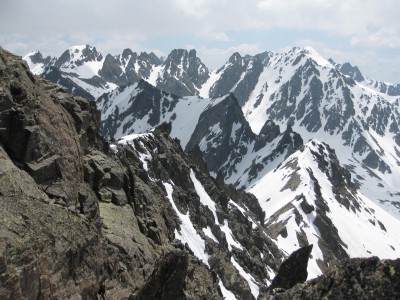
{"type": "Point", "coordinates": [151, 58]}
{"type": "Point", "coordinates": [91, 54]}
{"type": "Point", "coordinates": [177, 62]}
{"type": "Point", "coordinates": [127, 53]}
{"type": "Point", "coordinates": [192, 53]}
{"type": "Point", "coordinates": [236, 78]}
{"type": "Point", "coordinates": [222, 137]}
{"type": "Point", "coordinates": [267, 134]}
{"type": "Point", "coordinates": [176, 55]}
{"type": "Point", "coordinates": [235, 58]}
{"type": "Point", "coordinates": [183, 73]}
{"type": "Point", "coordinates": [77, 56]}
{"type": "Point", "coordinates": [351, 71]}
{"type": "Point", "coordinates": [185, 60]}
{"type": "Point", "coordinates": [134, 102]}
{"type": "Point", "coordinates": [37, 63]}
{"type": "Point", "coordinates": [111, 70]}
{"type": "Point", "coordinates": [126, 58]}
{"type": "Point", "coordinates": [36, 57]}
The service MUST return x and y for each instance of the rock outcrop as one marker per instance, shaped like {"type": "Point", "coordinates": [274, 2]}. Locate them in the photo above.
{"type": "Point", "coordinates": [293, 270]}
{"type": "Point", "coordinates": [50, 239]}
{"type": "Point", "coordinates": [368, 278]}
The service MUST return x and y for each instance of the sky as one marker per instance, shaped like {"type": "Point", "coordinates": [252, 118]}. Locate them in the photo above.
{"type": "Point", "coordinates": [365, 33]}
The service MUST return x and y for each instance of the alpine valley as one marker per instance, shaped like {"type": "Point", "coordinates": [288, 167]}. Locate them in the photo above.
{"type": "Point", "coordinates": [237, 183]}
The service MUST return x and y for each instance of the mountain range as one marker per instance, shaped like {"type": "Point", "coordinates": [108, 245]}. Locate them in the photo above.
{"type": "Point", "coordinates": [317, 143]}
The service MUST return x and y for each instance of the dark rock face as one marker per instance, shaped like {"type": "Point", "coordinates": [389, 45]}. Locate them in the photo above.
{"type": "Point", "coordinates": [230, 76]}
{"type": "Point", "coordinates": [31, 130]}
{"type": "Point", "coordinates": [351, 71]}
{"type": "Point", "coordinates": [358, 278]}
{"type": "Point", "coordinates": [37, 58]}
{"type": "Point", "coordinates": [239, 76]}
{"type": "Point", "coordinates": [288, 104]}
{"type": "Point", "coordinates": [52, 223]}
{"type": "Point", "coordinates": [171, 272]}
{"type": "Point", "coordinates": [293, 270]}
{"type": "Point", "coordinates": [146, 101]}
{"type": "Point", "coordinates": [55, 75]}
{"type": "Point", "coordinates": [229, 140]}
{"type": "Point", "coordinates": [267, 134]}
{"type": "Point", "coordinates": [183, 73]}
{"type": "Point", "coordinates": [111, 71]}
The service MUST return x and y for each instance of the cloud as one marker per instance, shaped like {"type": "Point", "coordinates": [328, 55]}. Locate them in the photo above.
{"type": "Point", "coordinates": [354, 18]}
{"type": "Point", "coordinates": [193, 8]}
{"type": "Point", "coordinates": [54, 25]}
{"type": "Point", "coordinates": [215, 36]}
{"type": "Point", "coordinates": [383, 38]}
{"type": "Point", "coordinates": [215, 57]}
{"type": "Point", "coordinates": [365, 22]}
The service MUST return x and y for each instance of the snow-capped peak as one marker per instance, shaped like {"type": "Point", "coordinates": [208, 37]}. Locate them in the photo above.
{"type": "Point", "coordinates": [317, 57]}
{"type": "Point", "coordinates": [36, 62]}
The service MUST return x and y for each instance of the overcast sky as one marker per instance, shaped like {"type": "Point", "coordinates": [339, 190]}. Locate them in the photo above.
{"type": "Point", "coordinates": [363, 32]}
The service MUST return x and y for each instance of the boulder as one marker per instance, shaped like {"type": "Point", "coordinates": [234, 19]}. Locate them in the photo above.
{"type": "Point", "coordinates": [293, 270]}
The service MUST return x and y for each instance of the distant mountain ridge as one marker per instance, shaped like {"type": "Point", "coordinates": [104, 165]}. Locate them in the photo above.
{"type": "Point", "coordinates": [182, 72]}
{"type": "Point", "coordinates": [83, 71]}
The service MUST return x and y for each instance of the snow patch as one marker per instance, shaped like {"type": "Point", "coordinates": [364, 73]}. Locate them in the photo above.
{"type": "Point", "coordinates": [255, 290]}
{"type": "Point", "coordinates": [227, 294]}
{"type": "Point", "coordinates": [188, 233]}
{"type": "Point", "coordinates": [204, 197]}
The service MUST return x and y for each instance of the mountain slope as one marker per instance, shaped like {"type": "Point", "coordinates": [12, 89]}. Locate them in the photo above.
{"type": "Point", "coordinates": [319, 102]}
{"type": "Point", "coordinates": [223, 232]}
{"type": "Point", "coordinates": [310, 199]}
{"type": "Point", "coordinates": [140, 107]}
{"type": "Point", "coordinates": [238, 76]}
{"type": "Point", "coordinates": [216, 126]}
{"type": "Point", "coordinates": [223, 135]}
{"type": "Point", "coordinates": [301, 89]}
